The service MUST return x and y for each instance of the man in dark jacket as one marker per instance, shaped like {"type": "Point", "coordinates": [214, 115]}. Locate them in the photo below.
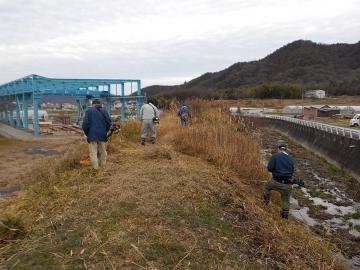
{"type": "Point", "coordinates": [281, 166]}
{"type": "Point", "coordinates": [184, 114]}
{"type": "Point", "coordinates": [96, 124]}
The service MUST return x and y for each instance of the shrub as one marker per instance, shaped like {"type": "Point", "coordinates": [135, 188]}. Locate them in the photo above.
{"type": "Point", "coordinates": [11, 228]}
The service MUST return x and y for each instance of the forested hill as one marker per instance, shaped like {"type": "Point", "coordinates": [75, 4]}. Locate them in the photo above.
{"type": "Point", "coordinates": [335, 68]}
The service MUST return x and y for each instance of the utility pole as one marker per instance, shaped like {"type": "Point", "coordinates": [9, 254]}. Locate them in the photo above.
{"type": "Point", "coordinates": [302, 100]}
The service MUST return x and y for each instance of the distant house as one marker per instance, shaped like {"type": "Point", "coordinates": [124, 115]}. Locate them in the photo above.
{"type": "Point", "coordinates": [234, 110]}
{"type": "Point", "coordinates": [293, 109]}
{"type": "Point", "coordinates": [311, 112]}
{"type": "Point", "coordinates": [250, 111]}
{"type": "Point", "coordinates": [314, 94]}
{"type": "Point", "coordinates": [349, 109]}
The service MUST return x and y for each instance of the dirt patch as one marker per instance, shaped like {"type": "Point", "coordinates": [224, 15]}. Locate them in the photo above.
{"type": "Point", "coordinates": [38, 149]}
{"type": "Point", "coordinates": [18, 158]}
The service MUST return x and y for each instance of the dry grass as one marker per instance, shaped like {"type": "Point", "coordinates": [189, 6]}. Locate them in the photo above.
{"type": "Point", "coordinates": [6, 143]}
{"type": "Point", "coordinates": [231, 144]}
{"type": "Point", "coordinates": [215, 136]}
{"type": "Point", "coordinates": [155, 208]}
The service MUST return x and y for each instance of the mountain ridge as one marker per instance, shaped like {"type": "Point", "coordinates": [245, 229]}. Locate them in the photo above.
{"type": "Point", "coordinates": [333, 67]}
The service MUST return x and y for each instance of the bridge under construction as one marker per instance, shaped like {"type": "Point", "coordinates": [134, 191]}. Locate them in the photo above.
{"type": "Point", "coordinates": [17, 96]}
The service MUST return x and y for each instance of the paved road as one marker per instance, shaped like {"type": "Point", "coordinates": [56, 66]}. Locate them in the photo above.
{"type": "Point", "coordinates": [14, 133]}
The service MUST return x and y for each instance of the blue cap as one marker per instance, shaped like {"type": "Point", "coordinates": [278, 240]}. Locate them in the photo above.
{"type": "Point", "coordinates": [282, 146]}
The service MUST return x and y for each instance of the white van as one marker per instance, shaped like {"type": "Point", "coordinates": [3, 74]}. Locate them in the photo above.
{"type": "Point", "coordinates": [355, 121]}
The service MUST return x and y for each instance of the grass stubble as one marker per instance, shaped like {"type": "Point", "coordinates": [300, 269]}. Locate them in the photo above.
{"type": "Point", "coordinates": [191, 202]}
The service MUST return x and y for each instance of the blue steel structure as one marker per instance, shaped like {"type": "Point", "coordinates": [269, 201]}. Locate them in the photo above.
{"type": "Point", "coordinates": [15, 96]}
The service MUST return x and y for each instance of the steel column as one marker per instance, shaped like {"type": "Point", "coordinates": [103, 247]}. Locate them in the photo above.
{"type": "Point", "coordinates": [18, 121]}
{"type": "Point", "coordinates": [109, 102]}
{"type": "Point", "coordinates": [122, 100]}
{"type": "Point", "coordinates": [26, 110]}
{"type": "Point", "coordinates": [36, 108]}
{"type": "Point", "coordinates": [36, 115]}
{"type": "Point", "coordinates": [11, 111]}
{"type": "Point", "coordinates": [139, 102]}
{"type": "Point", "coordinates": [78, 110]}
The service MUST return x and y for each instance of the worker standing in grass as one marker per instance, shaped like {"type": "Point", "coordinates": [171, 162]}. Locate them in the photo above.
{"type": "Point", "coordinates": [96, 124]}
{"type": "Point", "coordinates": [281, 166]}
{"type": "Point", "coordinates": [150, 115]}
{"type": "Point", "coordinates": [184, 114]}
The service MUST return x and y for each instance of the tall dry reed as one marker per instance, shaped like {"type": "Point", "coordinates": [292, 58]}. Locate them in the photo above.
{"type": "Point", "coordinates": [221, 139]}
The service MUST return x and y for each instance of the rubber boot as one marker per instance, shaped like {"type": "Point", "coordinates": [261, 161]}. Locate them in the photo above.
{"type": "Point", "coordinates": [285, 214]}
{"type": "Point", "coordinates": [142, 141]}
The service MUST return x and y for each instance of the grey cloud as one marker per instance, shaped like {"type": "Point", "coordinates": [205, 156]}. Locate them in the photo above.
{"type": "Point", "coordinates": [95, 39]}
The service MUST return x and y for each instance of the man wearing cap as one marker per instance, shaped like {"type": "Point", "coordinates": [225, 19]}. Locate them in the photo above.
{"type": "Point", "coordinates": [96, 124]}
{"type": "Point", "coordinates": [281, 166]}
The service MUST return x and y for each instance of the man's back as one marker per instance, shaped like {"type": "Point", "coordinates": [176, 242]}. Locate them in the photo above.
{"type": "Point", "coordinates": [96, 124]}
{"type": "Point", "coordinates": [149, 111]}
{"type": "Point", "coordinates": [281, 164]}
{"type": "Point", "coordinates": [184, 110]}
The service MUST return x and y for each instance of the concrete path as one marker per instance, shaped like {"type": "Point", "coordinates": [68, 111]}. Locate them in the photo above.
{"type": "Point", "coordinates": [14, 133]}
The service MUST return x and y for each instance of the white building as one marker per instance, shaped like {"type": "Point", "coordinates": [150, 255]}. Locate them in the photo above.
{"type": "Point", "coordinates": [293, 109]}
{"type": "Point", "coordinates": [250, 111]}
{"type": "Point", "coordinates": [314, 94]}
{"type": "Point", "coordinates": [349, 109]}
{"type": "Point", "coordinates": [43, 115]}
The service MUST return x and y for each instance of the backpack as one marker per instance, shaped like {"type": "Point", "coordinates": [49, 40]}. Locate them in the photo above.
{"type": "Point", "coordinates": [184, 116]}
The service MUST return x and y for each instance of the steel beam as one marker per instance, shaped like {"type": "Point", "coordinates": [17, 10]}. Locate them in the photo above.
{"type": "Point", "coordinates": [139, 99]}
{"type": "Point", "coordinates": [122, 100]}
{"type": "Point", "coordinates": [26, 110]}
{"type": "Point", "coordinates": [35, 86]}
{"type": "Point", "coordinates": [18, 121]}
{"type": "Point", "coordinates": [78, 110]}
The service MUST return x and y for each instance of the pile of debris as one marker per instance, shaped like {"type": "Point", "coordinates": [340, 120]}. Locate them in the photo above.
{"type": "Point", "coordinates": [50, 128]}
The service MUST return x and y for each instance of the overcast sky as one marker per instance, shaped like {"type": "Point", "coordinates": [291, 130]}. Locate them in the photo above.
{"type": "Point", "coordinates": [159, 41]}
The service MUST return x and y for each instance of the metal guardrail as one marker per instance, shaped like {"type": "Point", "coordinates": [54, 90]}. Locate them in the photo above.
{"type": "Point", "coordinates": [346, 132]}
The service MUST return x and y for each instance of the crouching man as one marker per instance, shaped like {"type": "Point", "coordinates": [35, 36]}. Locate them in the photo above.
{"type": "Point", "coordinates": [281, 166]}
{"type": "Point", "coordinates": [95, 125]}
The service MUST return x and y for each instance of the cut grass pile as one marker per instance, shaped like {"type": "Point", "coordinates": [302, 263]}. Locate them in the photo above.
{"type": "Point", "coordinates": [154, 207]}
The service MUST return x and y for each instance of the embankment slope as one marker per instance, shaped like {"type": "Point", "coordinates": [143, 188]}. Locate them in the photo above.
{"type": "Point", "coordinates": [152, 207]}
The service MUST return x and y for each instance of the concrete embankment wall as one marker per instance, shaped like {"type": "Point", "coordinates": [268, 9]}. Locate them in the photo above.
{"type": "Point", "coordinates": [341, 150]}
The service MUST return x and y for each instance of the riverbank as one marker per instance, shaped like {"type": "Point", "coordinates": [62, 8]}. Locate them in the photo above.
{"type": "Point", "coordinates": [330, 202]}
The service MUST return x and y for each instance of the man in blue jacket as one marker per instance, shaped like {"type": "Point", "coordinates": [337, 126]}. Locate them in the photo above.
{"type": "Point", "coordinates": [184, 114]}
{"type": "Point", "coordinates": [96, 124]}
{"type": "Point", "coordinates": [281, 166]}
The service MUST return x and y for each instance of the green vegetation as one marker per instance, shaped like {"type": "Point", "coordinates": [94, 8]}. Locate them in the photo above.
{"type": "Point", "coordinates": [266, 90]}
{"type": "Point", "coordinates": [338, 171]}
{"type": "Point", "coordinates": [355, 215]}
{"type": "Point", "coordinates": [314, 192]}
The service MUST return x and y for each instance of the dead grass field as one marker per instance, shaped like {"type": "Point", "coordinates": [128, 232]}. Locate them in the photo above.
{"type": "Point", "coordinates": [187, 203]}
